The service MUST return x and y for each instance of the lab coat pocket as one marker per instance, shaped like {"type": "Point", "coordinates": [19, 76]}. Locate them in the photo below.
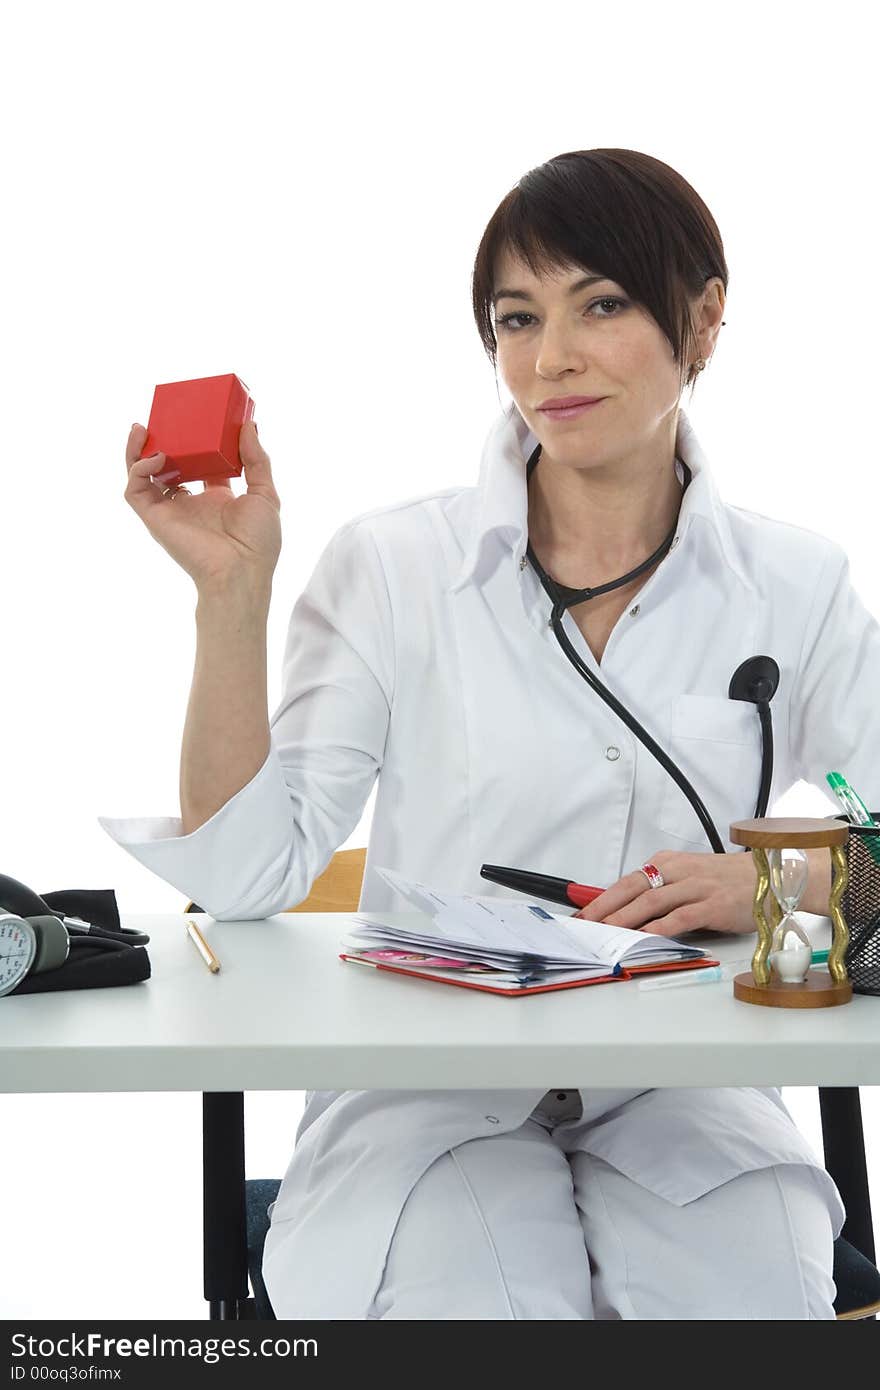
{"type": "Point", "coordinates": [716, 743]}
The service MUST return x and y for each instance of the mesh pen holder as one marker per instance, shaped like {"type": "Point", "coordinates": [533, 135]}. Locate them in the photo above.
{"type": "Point", "coordinates": [860, 905]}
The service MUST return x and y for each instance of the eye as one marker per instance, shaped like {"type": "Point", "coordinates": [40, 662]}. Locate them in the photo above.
{"type": "Point", "coordinates": [505, 321]}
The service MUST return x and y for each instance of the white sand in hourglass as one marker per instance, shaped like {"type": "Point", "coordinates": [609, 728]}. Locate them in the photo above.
{"type": "Point", "coordinates": [791, 949]}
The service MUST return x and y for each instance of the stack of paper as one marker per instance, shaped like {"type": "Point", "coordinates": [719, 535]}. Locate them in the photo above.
{"type": "Point", "coordinates": [510, 945]}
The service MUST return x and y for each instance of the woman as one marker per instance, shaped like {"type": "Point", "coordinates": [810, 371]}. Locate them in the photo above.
{"type": "Point", "coordinates": [420, 652]}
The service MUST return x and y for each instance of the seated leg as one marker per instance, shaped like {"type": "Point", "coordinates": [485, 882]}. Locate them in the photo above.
{"type": "Point", "coordinates": [757, 1247]}
{"type": "Point", "coordinates": [490, 1231]}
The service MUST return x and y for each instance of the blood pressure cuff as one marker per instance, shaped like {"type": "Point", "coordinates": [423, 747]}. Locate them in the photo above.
{"type": "Point", "coordinates": [90, 966]}
{"type": "Point", "coordinates": [91, 963]}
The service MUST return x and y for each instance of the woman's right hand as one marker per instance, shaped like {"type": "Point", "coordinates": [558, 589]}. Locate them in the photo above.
{"type": "Point", "coordinates": [216, 536]}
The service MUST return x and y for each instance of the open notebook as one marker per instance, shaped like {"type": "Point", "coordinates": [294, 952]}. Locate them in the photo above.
{"type": "Point", "coordinates": [508, 945]}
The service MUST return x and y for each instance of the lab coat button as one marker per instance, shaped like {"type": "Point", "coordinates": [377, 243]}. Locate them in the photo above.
{"type": "Point", "coordinates": [674, 543]}
{"type": "Point", "coordinates": [612, 753]}
{"type": "Point", "coordinates": [633, 612]}
{"type": "Point", "coordinates": [493, 1119]}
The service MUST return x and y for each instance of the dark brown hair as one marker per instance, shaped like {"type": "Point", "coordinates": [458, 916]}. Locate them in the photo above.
{"type": "Point", "coordinates": [620, 213]}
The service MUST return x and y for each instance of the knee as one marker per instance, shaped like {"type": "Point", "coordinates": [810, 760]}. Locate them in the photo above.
{"type": "Point", "coordinates": [486, 1233]}
{"type": "Point", "coordinates": [812, 1235]}
{"type": "Point", "coordinates": [439, 1264]}
{"type": "Point", "coordinates": [757, 1247]}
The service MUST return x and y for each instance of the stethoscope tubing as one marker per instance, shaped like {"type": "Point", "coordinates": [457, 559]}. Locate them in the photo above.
{"type": "Point", "coordinates": [563, 597]}
{"type": "Point", "coordinates": [557, 594]}
{"type": "Point", "coordinates": [124, 936]}
{"type": "Point", "coordinates": [644, 737]}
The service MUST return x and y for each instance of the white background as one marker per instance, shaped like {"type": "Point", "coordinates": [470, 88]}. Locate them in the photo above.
{"type": "Point", "coordinates": [296, 194]}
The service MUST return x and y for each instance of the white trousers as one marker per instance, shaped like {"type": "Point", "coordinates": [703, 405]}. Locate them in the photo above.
{"type": "Point", "coordinates": [523, 1225]}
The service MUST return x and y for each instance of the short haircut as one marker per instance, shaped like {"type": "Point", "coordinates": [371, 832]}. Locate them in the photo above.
{"type": "Point", "coordinates": [620, 213]}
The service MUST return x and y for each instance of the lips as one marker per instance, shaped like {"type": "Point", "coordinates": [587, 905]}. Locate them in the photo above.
{"type": "Point", "coordinates": [564, 402]}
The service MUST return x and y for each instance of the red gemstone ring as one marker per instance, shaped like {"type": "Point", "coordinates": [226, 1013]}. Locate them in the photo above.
{"type": "Point", "coordinates": [652, 874]}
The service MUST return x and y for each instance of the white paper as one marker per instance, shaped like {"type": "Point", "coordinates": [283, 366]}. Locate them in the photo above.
{"type": "Point", "coordinates": [512, 932]}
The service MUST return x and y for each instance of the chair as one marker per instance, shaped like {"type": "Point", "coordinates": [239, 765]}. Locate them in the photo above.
{"type": "Point", "coordinates": [236, 1219]}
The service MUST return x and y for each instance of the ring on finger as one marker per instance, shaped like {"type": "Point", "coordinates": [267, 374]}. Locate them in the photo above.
{"type": "Point", "coordinates": [652, 874]}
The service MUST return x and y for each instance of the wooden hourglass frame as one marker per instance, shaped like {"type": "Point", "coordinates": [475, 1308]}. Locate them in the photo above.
{"type": "Point", "coordinates": [761, 984]}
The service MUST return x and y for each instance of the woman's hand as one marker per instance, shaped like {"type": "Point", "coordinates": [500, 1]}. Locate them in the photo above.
{"type": "Point", "coordinates": [218, 537]}
{"type": "Point", "coordinates": [714, 891]}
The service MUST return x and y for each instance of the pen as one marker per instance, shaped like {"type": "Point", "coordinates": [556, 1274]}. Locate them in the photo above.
{"type": "Point", "coordinates": [851, 802]}
{"type": "Point", "coordinates": [556, 890]}
{"type": "Point", "coordinates": [202, 946]}
{"type": "Point", "coordinates": [713, 972]}
{"type": "Point", "coordinates": [856, 811]}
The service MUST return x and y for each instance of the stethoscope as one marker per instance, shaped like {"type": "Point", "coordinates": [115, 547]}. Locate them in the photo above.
{"type": "Point", "coordinates": [755, 680]}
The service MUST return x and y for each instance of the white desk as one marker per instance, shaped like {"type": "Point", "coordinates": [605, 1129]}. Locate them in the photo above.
{"type": "Point", "coordinates": [284, 1013]}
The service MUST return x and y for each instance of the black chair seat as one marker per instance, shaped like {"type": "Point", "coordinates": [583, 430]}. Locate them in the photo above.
{"type": "Point", "coordinates": [856, 1279]}
{"type": "Point", "coordinates": [259, 1193]}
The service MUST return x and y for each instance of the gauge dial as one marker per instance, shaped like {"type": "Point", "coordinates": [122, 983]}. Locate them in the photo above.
{"type": "Point", "coordinates": [18, 947]}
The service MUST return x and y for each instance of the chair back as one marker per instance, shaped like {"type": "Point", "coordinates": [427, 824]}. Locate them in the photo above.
{"type": "Point", "coordinates": [338, 888]}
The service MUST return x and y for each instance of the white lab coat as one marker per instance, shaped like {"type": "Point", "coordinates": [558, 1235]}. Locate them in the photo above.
{"type": "Point", "coordinates": [420, 651]}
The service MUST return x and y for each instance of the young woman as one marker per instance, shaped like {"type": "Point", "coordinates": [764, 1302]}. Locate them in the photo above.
{"type": "Point", "coordinates": [421, 652]}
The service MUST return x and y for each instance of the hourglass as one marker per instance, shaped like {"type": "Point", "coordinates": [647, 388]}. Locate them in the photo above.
{"type": "Point", "coordinates": [781, 975]}
{"type": "Point", "coordinates": [790, 949]}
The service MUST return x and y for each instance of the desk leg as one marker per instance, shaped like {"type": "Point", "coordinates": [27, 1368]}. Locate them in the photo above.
{"type": "Point", "coordinates": [844, 1145]}
{"type": "Point", "coordinates": [225, 1222]}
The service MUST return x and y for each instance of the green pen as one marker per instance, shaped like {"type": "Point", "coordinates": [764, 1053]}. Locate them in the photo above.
{"type": "Point", "coordinates": [853, 804]}
{"type": "Point", "coordinates": [856, 810]}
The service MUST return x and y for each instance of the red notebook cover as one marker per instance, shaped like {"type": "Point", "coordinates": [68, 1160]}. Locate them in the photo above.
{"type": "Point", "coordinates": [514, 992]}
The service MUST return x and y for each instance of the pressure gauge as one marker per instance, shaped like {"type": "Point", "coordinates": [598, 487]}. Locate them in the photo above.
{"type": "Point", "coordinates": [18, 949]}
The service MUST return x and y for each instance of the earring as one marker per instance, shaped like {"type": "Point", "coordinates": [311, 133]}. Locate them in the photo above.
{"type": "Point", "coordinates": [699, 364]}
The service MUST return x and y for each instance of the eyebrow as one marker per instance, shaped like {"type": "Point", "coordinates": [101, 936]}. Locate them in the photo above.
{"type": "Point", "coordinates": [581, 284]}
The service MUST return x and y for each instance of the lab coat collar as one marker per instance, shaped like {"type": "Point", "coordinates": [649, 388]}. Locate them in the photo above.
{"type": "Point", "coordinates": [501, 501]}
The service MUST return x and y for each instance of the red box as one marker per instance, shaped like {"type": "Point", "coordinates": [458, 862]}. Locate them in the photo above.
{"type": "Point", "coordinates": [196, 424]}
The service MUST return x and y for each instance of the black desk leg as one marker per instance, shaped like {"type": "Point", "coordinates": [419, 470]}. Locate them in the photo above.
{"type": "Point", "coordinates": [844, 1145]}
{"type": "Point", "coordinates": [225, 1223]}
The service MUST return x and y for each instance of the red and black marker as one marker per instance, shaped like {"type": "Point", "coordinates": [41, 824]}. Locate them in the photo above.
{"type": "Point", "coordinates": [556, 890]}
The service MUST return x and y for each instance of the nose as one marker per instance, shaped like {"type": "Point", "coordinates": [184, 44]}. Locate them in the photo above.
{"type": "Point", "coordinates": [557, 352]}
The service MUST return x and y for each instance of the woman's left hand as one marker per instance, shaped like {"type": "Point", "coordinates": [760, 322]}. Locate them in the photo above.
{"type": "Point", "coordinates": [714, 891]}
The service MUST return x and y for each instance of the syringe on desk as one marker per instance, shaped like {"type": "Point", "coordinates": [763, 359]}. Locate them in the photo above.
{"type": "Point", "coordinates": [712, 973]}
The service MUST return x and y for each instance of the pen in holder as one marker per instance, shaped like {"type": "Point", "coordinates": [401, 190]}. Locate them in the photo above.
{"type": "Point", "coordinates": [780, 975]}
{"type": "Point", "coordinates": [860, 905]}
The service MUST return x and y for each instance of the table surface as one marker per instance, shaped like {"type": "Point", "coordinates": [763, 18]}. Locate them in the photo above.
{"type": "Point", "coordinates": [285, 1013]}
